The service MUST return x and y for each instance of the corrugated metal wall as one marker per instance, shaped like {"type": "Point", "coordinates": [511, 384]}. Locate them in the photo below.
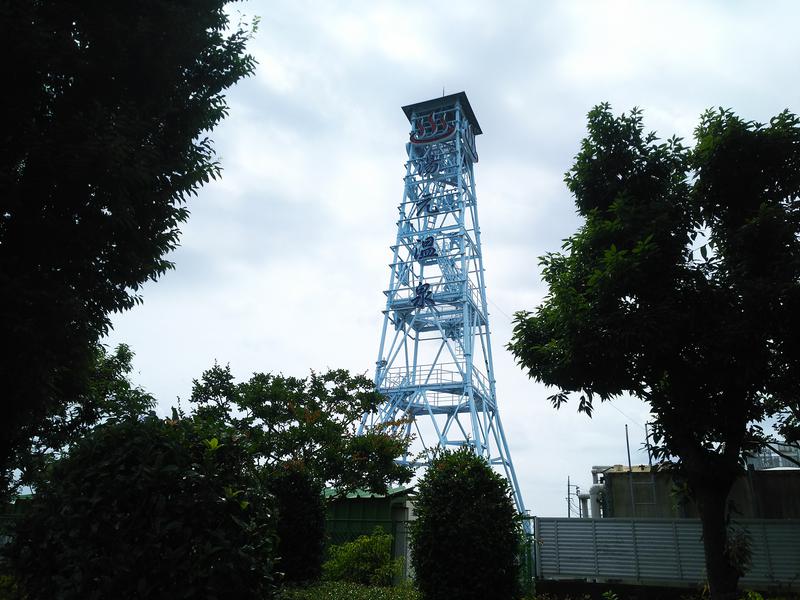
{"type": "Point", "coordinates": [659, 551]}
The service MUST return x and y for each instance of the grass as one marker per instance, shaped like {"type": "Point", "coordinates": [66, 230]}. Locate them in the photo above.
{"type": "Point", "coordinates": [339, 590]}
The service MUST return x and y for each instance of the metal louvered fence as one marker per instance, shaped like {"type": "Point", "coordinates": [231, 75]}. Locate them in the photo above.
{"type": "Point", "coordinates": [660, 551]}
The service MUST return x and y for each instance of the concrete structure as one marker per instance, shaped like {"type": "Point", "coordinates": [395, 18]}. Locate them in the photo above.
{"type": "Point", "coordinates": [644, 492]}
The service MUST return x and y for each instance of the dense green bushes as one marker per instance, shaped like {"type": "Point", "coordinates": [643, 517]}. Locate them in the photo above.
{"type": "Point", "coordinates": [466, 536]}
{"type": "Point", "coordinates": [8, 588]}
{"type": "Point", "coordinates": [338, 590]}
{"type": "Point", "coordinates": [149, 509]}
{"type": "Point", "coordinates": [366, 560]}
{"type": "Point", "coordinates": [300, 524]}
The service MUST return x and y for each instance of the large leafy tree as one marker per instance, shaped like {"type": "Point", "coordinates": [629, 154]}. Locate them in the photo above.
{"type": "Point", "coordinates": [682, 288]}
{"type": "Point", "coordinates": [311, 422]}
{"type": "Point", "coordinates": [106, 108]}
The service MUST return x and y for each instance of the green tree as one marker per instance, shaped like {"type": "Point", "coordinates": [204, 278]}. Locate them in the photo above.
{"type": "Point", "coordinates": [467, 534]}
{"type": "Point", "coordinates": [149, 508]}
{"type": "Point", "coordinates": [310, 421]}
{"type": "Point", "coordinates": [682, 288]}
{"type": "Point", "coordinates": [109, 396]}
{"type": "Point", "coordinates": [104, 139]}
{"type": "Point", "coordinates": [304, 432]}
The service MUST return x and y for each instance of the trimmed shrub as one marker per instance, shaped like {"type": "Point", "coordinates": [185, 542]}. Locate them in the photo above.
{"type": "Point", "coordinates": [148, 509]}
{"type": "Point", "coordinates": [366, 560]}
{"type": "Point", "coordinates": [340, 590]}
{"type": "Point", "coordinates": [8, 588]}
{"type": "Point", "coordinates": [467, 533]}
{"type": "Point", "coordinates": [300, 524]}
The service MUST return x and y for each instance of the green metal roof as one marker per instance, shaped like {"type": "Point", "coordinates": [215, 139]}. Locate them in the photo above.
{"type": "Point", "coordinates": [391, 492]}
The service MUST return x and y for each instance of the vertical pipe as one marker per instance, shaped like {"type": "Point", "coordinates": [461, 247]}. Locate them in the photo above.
{"type": "Point", "coordinates": [630, 471]}
{"type": "Point", "coordinates": [584, 505]}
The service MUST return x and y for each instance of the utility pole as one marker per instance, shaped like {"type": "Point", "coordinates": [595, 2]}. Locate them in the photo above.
{"type": "Point", "coordinates": [569, 506]}
{"type": "Point", "coordinates": [569, 498]}
{"type": "Point", "coordinates": [630, 471]}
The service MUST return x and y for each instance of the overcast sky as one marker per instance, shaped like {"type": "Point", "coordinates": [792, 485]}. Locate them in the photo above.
{"type": "Point", "coordinates": [283, 261]}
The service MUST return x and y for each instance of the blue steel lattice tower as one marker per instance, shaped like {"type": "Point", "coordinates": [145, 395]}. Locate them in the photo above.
{"type": "Point", "coordinates": [435, 359]}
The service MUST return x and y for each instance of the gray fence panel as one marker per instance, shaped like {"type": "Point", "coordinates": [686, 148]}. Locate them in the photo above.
{"type": "Point", "coordinates": [656, 552]}
{"type": "Point", "coordinates": [566, 555]}
{"type": "Point", "coordinates": [784, 545]}
{"type": "Point", "coordinates": [616, 550]}
{"type": "Point", "coordinates": [761, 571]}
{"type": "Point", "coordinates": [548, 558]}
{"type": "Point", "coordinates": [775, 553]}
{"type": "Point", "coordinates": [666, 551]}
{"type": "Point", "coordinates": [690, 549]}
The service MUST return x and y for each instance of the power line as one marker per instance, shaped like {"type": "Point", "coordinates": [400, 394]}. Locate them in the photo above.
{"type": "Point", "coordinates": [502, 312]}
{"type": "Point", "coordinates": [630, 418]}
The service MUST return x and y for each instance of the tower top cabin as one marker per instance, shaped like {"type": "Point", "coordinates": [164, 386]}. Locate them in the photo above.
{"type": "Point", "coordinates": [444, 104]}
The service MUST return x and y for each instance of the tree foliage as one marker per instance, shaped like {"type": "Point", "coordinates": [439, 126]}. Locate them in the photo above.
{"type": "Point", "coordinates": [303, 431]}
{"type": "Point", "coordinates": [149, 509]}
{"type": "Point", "coordinates": [109, 396]}
{"type": "Point", "coordinates": [467, 533]}
{"type": "Point", "coordinates": [311, 422]}
{"type": "Point", "coordinates": [107, 109]}
{"type": "Point", "coordinates": [682, 288]}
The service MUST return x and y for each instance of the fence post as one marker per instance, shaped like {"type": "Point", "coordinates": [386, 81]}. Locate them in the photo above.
{"type": "Point", "coordinates": [765, 537]}
{"type": "Point", "coordinates": [558, 556]}
{"type": "Point", "coordinates": [594, 547]}
{"type": "Point", "coordinates": [677, 549]}
{"type": "Point", "coordinates": [635, 551]}
{"type": "Point", "coordinates": [526, 563]}
{"type": "Point", "coordinates": [537, 554]}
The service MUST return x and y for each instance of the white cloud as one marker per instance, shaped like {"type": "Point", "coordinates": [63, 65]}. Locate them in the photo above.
{"type": "Point", "coordinates": [620, 40]}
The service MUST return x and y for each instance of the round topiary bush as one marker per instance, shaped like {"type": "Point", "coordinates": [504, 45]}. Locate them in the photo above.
{"type": "Point", "coordinates": [148, 509]}
{"type": "Point", "coordinates": [466, 536]}
{"type": "Point", "coordinates": [300, 523]}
